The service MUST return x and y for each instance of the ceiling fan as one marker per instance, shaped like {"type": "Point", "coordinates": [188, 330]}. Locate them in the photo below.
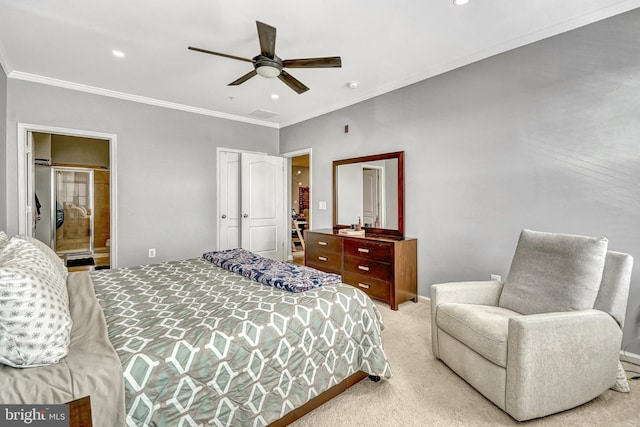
{"type": "Point", "coordinates": [268, 65]}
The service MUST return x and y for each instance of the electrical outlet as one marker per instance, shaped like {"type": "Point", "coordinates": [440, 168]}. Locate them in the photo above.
{"type": "Point", "coordinates": [152, 253]}
{"type": "Point", "coordinates": [495, 277]}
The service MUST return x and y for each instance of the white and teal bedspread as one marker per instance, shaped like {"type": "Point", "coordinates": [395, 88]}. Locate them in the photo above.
{"type": "Point", "coordinates": [201, 345]}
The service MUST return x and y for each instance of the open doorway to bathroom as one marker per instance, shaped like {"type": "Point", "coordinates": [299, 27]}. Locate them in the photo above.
{"type": "Point", "coordinates": [300, 204]}
{"type": "Point", "coordinates": [71, 187]}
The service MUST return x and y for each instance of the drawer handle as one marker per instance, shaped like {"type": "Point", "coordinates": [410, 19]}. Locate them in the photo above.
{"type": "Point", "coordinates": [363, 267]}
{"type": "Point", "coordinates": [364, 285]}
{"type": "Point", "coordinates": [363, 250]}
{"type": "Point", "coordinates": [323, 258]}
{"type": "Point", "coordinates": [321, 243]}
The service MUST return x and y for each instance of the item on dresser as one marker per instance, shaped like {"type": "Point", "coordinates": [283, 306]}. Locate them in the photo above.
{"type": "Point", "coordinates": [383, 267]}
{"type": "Point", "coordinates": [350, 232]}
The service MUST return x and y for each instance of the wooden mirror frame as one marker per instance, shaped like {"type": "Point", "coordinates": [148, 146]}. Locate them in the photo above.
{"type": "Point", "coordinates": [399, 156]}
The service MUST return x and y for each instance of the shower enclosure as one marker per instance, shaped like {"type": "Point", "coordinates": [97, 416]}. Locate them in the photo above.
{"type": "Point", "coordinates": [73, 212]}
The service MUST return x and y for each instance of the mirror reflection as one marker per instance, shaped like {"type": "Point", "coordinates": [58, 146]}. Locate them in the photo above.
{"type": "Point", "coordinates": [369, 191]}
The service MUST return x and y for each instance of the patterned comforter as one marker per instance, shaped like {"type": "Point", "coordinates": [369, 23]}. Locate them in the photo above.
{"type": "Point", "coordinates": [202, 345]}
{"type": "Point", "coordinates": [283, 275]}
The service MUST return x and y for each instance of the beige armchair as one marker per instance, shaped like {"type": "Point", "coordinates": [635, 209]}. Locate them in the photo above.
{"type": "Point", "coordinates": [548, 338]}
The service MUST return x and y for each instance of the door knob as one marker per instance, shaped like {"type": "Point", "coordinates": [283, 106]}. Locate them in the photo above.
{"type": "Point", "coordinates": [223, 216]}
{"type": "Point", "coordinates": [245, 216]}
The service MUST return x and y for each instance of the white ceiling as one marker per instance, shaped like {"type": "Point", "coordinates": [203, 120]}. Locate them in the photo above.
{"type": "Point", "coordinates": [384, 45]}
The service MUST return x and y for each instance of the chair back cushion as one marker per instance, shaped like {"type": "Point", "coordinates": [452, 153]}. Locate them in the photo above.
{"type": "Point", "coordinates": [614, 289]}
{"type": "Point", "coordinates": [553, 272]}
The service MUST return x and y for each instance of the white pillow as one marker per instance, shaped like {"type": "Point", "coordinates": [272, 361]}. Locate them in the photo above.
{"type": "Point", "coordinates": [49, 253]}
{"type": "Point", "coordinates": [35, 323]}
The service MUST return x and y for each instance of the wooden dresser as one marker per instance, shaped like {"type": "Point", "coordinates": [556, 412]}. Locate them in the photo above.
{"type": "Point", "coordinates": [386, 268]}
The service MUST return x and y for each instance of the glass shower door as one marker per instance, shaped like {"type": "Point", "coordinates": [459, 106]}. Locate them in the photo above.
{"type": "Point", "coordinates": [72, 215]}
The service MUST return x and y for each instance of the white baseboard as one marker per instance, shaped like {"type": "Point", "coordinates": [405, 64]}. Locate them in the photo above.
{"type": "Point", "coordinates": [627, 356]}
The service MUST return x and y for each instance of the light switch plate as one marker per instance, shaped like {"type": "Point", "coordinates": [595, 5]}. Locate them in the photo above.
{"type": "Point", "coordinates": [322, 206]}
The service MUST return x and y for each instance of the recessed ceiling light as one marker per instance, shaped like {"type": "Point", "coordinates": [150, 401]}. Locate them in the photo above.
{"type": "Point", "coordinates": [275, 96]}
{"type": "Point", "coordinates": [460, 2]}
{"type": "Point", "coordinates": [353, 85]}
{"type": "Point", "coordinates": [118, 53]}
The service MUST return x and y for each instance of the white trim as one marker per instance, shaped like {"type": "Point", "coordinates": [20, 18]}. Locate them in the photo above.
{"type": "Point", "coordinates": [19, 75]}
{"type": "Point", "coordinates": [627, 356]}
{"type": "Point", "coordinates": [23, 129]}
{"type": "Point", "coordinates": [423, 299]}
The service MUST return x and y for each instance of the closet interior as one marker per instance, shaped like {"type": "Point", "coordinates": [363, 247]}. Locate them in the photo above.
{"type": "Point", "coordinates": [72, 198]}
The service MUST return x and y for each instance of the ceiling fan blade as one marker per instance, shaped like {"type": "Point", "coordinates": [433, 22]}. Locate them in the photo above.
{"type": "Point", "coordinates": [197, 49]}
{"type": "Point", "coordinates": [328, 62]}
{"type": "Point", "coordinates": [292, 82]}
{"type": "Point", "coordinates": [243, 78]}
{"type": "Point", "coordinates": [267, 37]}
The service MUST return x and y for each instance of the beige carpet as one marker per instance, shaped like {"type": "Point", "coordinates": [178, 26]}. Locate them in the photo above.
{"type": "Point", "coordinates": [424, 392]}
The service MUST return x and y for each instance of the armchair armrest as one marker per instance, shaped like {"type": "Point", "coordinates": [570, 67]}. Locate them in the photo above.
{"type": "Point", "coordinates": [557, 361]}
{"type": "Point", "coordinates": [474, 292]}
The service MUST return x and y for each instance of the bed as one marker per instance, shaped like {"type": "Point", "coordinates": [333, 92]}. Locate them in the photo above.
{"type": "Point", "coordinates": [190, 343]}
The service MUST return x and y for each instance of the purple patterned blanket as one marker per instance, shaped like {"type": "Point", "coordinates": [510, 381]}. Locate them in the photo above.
{"type": "Point", "coordinates": [290, 277]}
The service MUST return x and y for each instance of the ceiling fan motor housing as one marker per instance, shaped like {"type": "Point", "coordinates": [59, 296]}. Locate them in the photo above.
{"type": "Point", "coordinates": [268, 67]}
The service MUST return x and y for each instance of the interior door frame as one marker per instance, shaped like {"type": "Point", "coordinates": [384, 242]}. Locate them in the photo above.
{"type": "Point", "coordinates": [26, 177]}
{"type": "Point", "coordinates": [287, 189]}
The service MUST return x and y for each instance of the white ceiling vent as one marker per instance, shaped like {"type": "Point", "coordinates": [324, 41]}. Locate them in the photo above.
{"type": "Point", "coordinates": [263, 114]}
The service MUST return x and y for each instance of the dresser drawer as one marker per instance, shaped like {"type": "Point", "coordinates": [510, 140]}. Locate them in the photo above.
{"type": "Point", "coordinates": [331, 262]}
{"type": "Point", "coordinates": [368, 267]}
{"type": "Point", "coordinates": [323, 242]}
{"type": "Point", "coordinates": [367, 249]}
{"type": "Point", "coordinates": [374, 288]}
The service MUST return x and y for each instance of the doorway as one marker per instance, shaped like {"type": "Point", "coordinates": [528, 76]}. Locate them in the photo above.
{"type": "Point", "coordinates": [300, 201]}
{"type": "Point", "coordinates": [67, 195]}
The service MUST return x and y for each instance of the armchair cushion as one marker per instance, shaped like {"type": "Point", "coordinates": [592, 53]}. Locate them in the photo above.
{"type": "Point", "coordinates": [554, 272]}
{"type": "Point", "coordinates": [483, 328]}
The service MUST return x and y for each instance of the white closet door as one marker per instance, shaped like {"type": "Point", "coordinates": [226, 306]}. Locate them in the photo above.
{"type": "Point", "coordinates": [251, 195]}
{"type": "Point", "coordinates": [262, 201]}
{"type": "Point", "coordinates": [229, 197]}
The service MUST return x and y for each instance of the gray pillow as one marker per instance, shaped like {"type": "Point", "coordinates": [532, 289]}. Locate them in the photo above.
{"type": "Point", "coordinates": [554, 272]}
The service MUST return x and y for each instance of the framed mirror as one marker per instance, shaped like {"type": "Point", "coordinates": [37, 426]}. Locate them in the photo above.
{"type": "Point", "coordinates": [370, 188]}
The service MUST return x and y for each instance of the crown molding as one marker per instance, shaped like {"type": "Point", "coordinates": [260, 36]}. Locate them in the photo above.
{"type": "Point", "coordinates": [34, 78]}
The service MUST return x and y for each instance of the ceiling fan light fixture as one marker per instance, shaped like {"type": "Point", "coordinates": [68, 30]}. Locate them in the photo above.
{"type": "Point", "coordinates": [268, 71]}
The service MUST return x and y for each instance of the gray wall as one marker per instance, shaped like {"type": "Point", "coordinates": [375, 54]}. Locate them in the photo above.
{"type": "Point", "coordinates": [543, 137]}
{"type": "Point", "coordinates": [3, 149]}
{"type": "Point", "coordinates": [166, 164]}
